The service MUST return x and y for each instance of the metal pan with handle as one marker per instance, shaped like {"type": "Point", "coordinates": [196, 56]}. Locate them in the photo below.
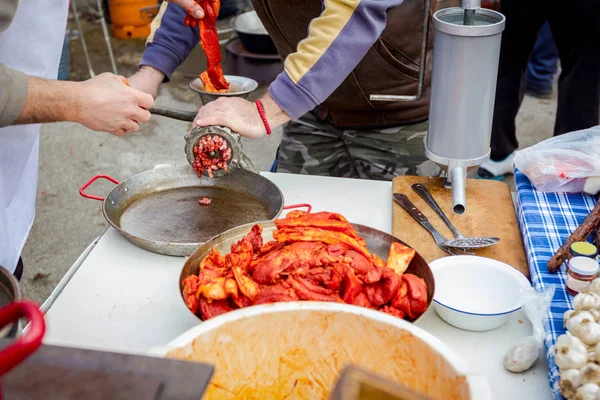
{"type": "Point", "coordinates": [29, 342]}
{"type": "Point", "coordinates": [158, 210]}
{"type": "Point", "coordinates": [378, 243]}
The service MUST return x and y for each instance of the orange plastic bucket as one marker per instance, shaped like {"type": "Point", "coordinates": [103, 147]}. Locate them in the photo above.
{"type": "Point", "coordinates": [129, 20]}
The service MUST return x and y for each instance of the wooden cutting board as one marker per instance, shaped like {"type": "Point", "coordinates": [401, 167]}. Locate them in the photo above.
{"type": "Point", "coordinates": [490, 212]}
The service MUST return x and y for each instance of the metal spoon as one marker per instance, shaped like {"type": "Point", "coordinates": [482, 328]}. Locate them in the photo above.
{"type": "Point", "coordinates": [459, 241]}
{"type": "Point", "coordinates": [414, 212]}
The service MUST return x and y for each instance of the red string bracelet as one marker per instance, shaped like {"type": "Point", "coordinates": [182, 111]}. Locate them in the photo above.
{"type": "Point", "coordinates": [261, 112]}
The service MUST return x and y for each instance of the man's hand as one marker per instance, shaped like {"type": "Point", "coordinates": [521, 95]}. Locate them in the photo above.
{"type": "Point", "coordinates": [241, 116]}
{"type": "Point", "coordinates": [147, 79]}
{"type": "Point", "coordinates": [110, 105]}
{"type": "Point", "coordinates": [104, 103]}
{"type": "Point", "coordinates": [190, 6]}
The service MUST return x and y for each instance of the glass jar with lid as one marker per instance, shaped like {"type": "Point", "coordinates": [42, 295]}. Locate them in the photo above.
{"type": "Point", "coordinates": [581, 271]}
{"type": "Point", "coordinates": [583, 249]}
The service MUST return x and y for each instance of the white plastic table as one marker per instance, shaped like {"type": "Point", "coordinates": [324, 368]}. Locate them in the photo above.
{"type": "Point", "coordinates": [125, 299]}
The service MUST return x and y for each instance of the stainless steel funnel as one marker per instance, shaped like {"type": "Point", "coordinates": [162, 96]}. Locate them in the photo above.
{"type": "Point", "coordinates": [463, 88]}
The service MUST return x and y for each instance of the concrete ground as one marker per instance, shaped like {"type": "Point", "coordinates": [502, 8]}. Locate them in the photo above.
{"type": "Point", "coordinates": [71, 154]}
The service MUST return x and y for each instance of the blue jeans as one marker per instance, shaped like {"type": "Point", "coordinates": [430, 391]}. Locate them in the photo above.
{"type": "Point", "coordinates": [543, 63]}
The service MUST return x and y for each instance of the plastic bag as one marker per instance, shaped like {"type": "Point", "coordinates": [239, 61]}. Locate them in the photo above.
{"type": "Point", "coordinates": [565, 163]}
{"type": "Point", "coordinates": [522, 355]}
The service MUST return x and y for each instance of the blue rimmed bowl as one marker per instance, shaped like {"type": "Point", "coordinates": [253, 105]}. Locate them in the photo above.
{"type": "Point", "coordinates": [476, 293]}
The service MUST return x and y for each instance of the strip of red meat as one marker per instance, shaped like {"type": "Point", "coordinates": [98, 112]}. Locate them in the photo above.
{"type": "Point", "coordinates": [268, 269]}
{"type": "Point", "coordinates": [275, 293]}
{"type": "Point", "coordinates": [214, 308]}
{"type": "Point", "coordinates": [305, 293]}
{"type": "Point", "coordinates": [417, 289]}
{"type": "Point", "coordinates": [382, 292]}
{"type": "Point", "coordinates": [190, 287]}
{"type": "Point", "coordinates": [325, 224]}
{"type": "Point", "coordinates": [393, 311]}
{"type": "Point", "coordinates": [363, 268]}
{"type": "Point", "coordinates": [318, 215]}
{"type": "Point", "coordinates": [330, 277]}
{"type": "Point", "coordinates": [205, 201]}
{"type": "Point", "coordinates": [411, 298]}
{"type": "Point", "coordinates": [352, 287]}
{"type": "Point", "coordinates": [255, 237]}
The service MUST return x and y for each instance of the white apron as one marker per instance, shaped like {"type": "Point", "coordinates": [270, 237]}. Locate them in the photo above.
{"type": "Point", "coordinates": [32, 44]}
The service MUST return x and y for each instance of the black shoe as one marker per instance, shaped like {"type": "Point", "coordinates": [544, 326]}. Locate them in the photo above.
{"type": "Point", "coordinates": [539, 91]}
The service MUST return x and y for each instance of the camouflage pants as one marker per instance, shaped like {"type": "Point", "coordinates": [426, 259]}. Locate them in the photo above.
{"type": "Point", "coordinates": [311, 147]}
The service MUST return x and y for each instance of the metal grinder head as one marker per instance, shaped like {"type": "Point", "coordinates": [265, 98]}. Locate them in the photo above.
{"type": "Point", "coordinates": [233, 142]}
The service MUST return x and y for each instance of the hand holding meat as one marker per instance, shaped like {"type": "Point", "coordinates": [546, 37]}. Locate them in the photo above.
{"type": "Point", "coordinates": [190, 6]}
{"type": "Point", "coordinates": [108, 104]}
{"type": "Point", "coordinates": [316, 257]}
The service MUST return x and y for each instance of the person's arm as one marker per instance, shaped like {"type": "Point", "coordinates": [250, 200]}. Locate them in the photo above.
{"type": "Point", "coordinates": [104, 103]}
{"type": "Point", "coordinates": [337, 40]}
{"type": "Point", "coordinates": [167, 47]}
{"type": "Point", "coordinates": [13, 92]}
{"type": "Point", "coordinates": [7, 13]}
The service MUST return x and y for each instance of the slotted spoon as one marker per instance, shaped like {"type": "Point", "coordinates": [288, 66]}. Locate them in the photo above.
{"type": "Point", "coordinates": [459, 241]}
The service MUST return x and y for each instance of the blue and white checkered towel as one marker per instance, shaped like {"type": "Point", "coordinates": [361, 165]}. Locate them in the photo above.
{"type": "Point", "coordinates": [546, 221]}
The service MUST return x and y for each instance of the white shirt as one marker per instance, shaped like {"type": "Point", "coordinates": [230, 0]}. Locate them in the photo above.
{"type": "Point", "coordinates": [31, 44]}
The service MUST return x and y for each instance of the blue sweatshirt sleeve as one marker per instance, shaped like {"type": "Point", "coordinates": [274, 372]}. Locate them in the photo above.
{"type": "Point", "coordinates": [170, 41]}
{"type": "Point", "coordinates": [337, 40]}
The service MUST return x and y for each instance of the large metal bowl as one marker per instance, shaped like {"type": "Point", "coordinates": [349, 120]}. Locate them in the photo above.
{"type": "Point", "coordinates": [378, 242]}
{"type": "Point", "coordinates": [253, 34]}
{"type": "Point", "coordinates": [239, 86]}
{"type": "Point", "coordinates": [296, 350]}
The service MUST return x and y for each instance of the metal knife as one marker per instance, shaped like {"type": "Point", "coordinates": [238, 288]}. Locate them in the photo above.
{"type": "Point", "coordinates": [414, 212]}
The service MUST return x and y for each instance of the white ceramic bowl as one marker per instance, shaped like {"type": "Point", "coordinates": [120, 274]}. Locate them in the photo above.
{"type": "Point", "coordinates": [476, 293]}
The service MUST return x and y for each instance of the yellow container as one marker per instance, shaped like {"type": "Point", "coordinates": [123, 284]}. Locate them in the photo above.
{"type": "Point", "coordinates": [129, 18]}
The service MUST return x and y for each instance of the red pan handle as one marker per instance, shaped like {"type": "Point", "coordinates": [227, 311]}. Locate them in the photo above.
{"type": "Point", "coordinates": [292, 206]}
{"type": "Point", "coordinates": [24, 346]}
{"type": "Point", "coordinates": [94, 179]}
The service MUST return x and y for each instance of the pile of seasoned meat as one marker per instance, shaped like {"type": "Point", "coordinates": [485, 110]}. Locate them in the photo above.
{"type": "Point", "coordinates": [315, 257]}
{"type": "Point", "coordinates": [211, 153]}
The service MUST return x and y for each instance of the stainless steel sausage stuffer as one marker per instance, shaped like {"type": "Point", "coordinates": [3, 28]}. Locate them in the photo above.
{"type": "Point", "coordinates": [463, 89]}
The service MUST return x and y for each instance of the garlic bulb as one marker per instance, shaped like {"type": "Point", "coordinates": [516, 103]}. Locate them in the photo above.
{"type": "Point", "coordinates": [570, 352]}
{"type": "Point", "coordinates": [595, 354]}
{"type": "Point", "coordinates": [588, 331]}
{"type": "Point", "coordinates": [590, 373]}
{"type": "Point", "coordinates": [595, 287]}
{"type": "Point", "coordinates": [577, 317]}
{"type": "Point", "coordinates": [589, 391]}
{"type": "Point", "coordinates": [570, 380]}
{"type": "Point", "coordinates": [586, 301]}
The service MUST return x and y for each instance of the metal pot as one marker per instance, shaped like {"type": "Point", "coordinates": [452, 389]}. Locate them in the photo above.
{"type": "Point", "coordinates": [10, 292]}
{"type": "Point", "coordinates": [298, 349]}
{"type": "Point", "coordinates": [26, 344]}
{"type": "Point", "coordinates": [158, 209]}
{"type": "Point", "coordinates": [378, 242]}
{"type": "Point", "coordinates": [253, 34]}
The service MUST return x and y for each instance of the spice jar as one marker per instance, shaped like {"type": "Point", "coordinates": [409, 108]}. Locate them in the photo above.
{"type": "Point", "coordinates": [581, 271]}
{"type": "Point", "coordinates": [583, 249]}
